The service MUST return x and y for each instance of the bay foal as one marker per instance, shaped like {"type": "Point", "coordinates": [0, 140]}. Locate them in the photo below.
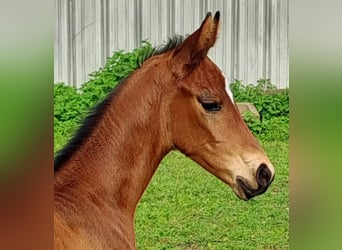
{"type": "Point", "coordinates": [177, 99]}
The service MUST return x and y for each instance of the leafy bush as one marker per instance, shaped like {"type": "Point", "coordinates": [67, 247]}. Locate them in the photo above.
{"type": "Point", "coordinates": [117, 67]}
{"type": "Point", "coordinates": [71, 105]}
{"type": "Point", "coordinates": [272, 105]}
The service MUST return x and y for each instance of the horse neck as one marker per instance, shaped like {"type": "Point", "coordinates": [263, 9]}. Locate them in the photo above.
{"type": "Point", "coordinates": [120, 157]}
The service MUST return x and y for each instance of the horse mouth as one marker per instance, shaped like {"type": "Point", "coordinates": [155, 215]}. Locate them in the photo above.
{"type": "Point", "coordinates": [247, 191]}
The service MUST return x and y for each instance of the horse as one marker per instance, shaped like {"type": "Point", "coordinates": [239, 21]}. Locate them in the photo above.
{"type": "Point", "coordinates": [178, 99]}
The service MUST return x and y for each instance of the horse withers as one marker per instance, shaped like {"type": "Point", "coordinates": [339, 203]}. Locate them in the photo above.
{"type": "Point", "coordinates": [177, 99]}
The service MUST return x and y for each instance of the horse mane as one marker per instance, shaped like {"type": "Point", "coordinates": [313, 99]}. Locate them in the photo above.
{"type": "Point", "coordinates": [88, 125]}
{"type": "Point", "coordinates": [171, 44]}
{"type": "Point", "coordinates": [86, 128]}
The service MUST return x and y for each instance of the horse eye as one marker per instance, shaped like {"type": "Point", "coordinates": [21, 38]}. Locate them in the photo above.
{"type": "Point", "coordinates": [211, 106]}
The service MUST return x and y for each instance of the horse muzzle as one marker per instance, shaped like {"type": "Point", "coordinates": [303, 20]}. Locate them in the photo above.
{"type": "Point", "coordinates": [264, 178]}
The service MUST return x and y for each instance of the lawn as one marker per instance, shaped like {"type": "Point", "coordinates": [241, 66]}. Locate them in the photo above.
{"type": "Point", "coordinates": [185, 207]}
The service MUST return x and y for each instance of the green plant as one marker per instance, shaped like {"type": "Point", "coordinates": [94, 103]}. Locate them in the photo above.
{"type": "Point", "coordinates": [71, 105]}
{"type": "Point", "coordinates": [272, 105]}
{"type": "Point", "coordinates": [117, 67]}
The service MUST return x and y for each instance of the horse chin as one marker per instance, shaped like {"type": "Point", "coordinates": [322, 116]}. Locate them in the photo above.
{"type": "Point", "coordinates": [245, 191]}
{"type": "Point", "coordinates": [241, 195]}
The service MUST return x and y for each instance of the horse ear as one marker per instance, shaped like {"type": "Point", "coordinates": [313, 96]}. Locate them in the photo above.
{"type": "Point", "coordinates": [195, 47]}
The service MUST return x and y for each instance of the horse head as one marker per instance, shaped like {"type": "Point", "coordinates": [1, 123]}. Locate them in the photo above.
{"type": "Point", "coordinates": [205, 123]}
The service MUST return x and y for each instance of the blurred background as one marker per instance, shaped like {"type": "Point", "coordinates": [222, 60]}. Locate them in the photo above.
{"type": "Point", "coordinates": [26, 123]}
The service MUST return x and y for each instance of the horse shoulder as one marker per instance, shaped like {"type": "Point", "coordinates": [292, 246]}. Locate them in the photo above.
{"type": "Point", "coordinates": [66, 237]}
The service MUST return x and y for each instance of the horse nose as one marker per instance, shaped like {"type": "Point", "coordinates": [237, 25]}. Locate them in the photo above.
{"type": "Point", "coordinates": [264, 175]}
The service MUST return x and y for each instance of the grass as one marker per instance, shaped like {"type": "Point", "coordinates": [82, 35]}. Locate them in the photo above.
{"type": "Point", "coordinates": [185, 207]}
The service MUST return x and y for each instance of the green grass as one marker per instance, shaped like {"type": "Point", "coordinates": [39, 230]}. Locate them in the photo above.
{"type": "Point", "coordinates": [185, 207]}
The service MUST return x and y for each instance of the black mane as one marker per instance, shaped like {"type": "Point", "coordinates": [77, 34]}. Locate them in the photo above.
{"type": "Point", "coordinates": [172, 43]}
{"type": "Point", "coordinates": [86, 128]}
{"type": "Point", "coordinates": [90, 122]}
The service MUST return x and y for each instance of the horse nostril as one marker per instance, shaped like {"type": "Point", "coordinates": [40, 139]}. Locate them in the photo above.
{"type": "Point", "coordinates": [263, 175]}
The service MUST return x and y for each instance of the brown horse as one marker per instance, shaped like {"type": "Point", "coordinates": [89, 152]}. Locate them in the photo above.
{"type": "Point", "coordinates": [177, 99]}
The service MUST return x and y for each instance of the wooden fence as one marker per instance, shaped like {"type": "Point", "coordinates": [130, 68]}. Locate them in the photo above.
{"type": "Point", "coordinates": [252, 45]}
